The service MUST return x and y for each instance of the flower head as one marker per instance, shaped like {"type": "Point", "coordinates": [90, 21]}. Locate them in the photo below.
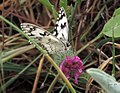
{"type": "Point", "coordinates": [72, 64]}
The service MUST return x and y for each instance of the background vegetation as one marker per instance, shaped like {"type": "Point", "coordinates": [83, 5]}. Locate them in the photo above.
{"type": "Point", "coordinates": [97, 47]}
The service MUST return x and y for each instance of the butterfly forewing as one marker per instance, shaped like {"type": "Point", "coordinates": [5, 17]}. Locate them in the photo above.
{"type": "Point", "coordinates": [61, 29]}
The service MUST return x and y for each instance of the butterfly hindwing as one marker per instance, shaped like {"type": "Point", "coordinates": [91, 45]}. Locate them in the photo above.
{"type": "Point", "coordinates": [36, 31]}
{"type": "Point", "coordinates": [46, 39]}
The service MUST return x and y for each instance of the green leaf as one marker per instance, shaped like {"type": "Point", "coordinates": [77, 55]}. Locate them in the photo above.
{"type": "Point", "coordinates": [117, 12]}
{"type": "Point", "coordinates": [63, 3]}
{"type": "Point", "coordinates": [47, 4]}
{"type": "Point", "coordinates": [7, 55]}
{"type": "Point", "coordinates": [112, 26]}
{"type": "Point", "coordinates": [107, 82]}
{"type": "Point", "coordinates": [9, 66]}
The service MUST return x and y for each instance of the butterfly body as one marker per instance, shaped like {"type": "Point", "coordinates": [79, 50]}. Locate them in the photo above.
{"type": "Point", "coordinates": [51, 42]}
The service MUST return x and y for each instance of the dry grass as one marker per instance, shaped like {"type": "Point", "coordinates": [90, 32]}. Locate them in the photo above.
{"type": "Point", "coordinates": [88, 21]}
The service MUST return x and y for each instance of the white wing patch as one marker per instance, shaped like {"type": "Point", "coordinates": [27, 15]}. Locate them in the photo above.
{"type": "Point", "coordinates": [56, 42]}
{"type": "Point", "coordinates": [61, 29]}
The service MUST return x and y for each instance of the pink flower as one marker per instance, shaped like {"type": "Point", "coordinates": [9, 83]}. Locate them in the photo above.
{"type": "Point", "coordinates": [72, 64]}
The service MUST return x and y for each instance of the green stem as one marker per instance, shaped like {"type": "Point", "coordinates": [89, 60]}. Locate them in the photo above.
{"type": "Point", "coordinates": [52, 84]}
{"type": "Point", "coordinates": [61, 91]}
{"type": "Point", "coordinates": [10, 81]}
{"type": "Point", "coordinates": [92, 24]}
{"type": "Point", "coordinates": [71, 21]}
{"type": "Point", "coordinates": [61, 73]}
{"type": "Point", "coordinates": [89, 43]}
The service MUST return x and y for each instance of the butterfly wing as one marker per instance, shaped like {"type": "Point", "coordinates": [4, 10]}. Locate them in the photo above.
{"type": "Point", "coordinates": [61, 28]}
{"type": "Point", "coordinates": [48, 41]}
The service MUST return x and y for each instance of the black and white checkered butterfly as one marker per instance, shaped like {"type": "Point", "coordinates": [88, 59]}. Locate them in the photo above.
{"type": "Point", "coordinates": [52, 42]}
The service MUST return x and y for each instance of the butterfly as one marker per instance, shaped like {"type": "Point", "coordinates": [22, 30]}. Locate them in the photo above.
{"type": "Point", "coordinates": [51, 42]}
